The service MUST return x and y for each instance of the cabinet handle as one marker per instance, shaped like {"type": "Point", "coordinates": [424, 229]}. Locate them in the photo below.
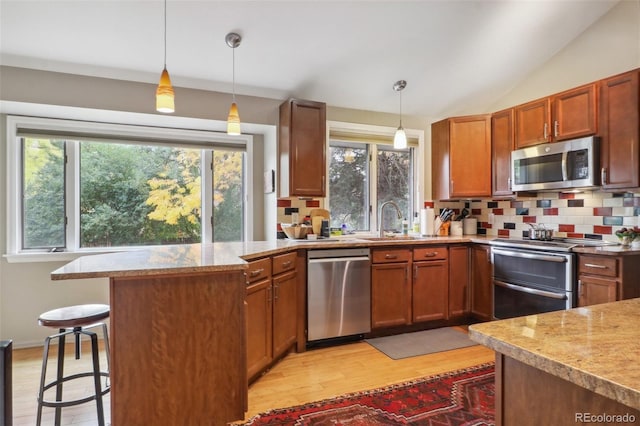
{"type": "Point", "coordinates": [390, 256]}
{"type": "Point", "coordinates": [603, 176]}
{"type": "Point", "coordinates": [580, 288]}
{"type": "Point", "coordinates": [275, 293]}
{"type": "Point", "coordinates": [286, 264]}
{"type": "Point", "coordinates": [546, 132]}
{"type": "Point", "coordinates": [488, 256]}
{"type": "Point", "coordinates": [269, 295]}
{"type": "Point", "coordinates": [509, 183]}
{"type": "Point", "coordinates": [593, 265]}
{"type": "Point", "coordinates": [431, 254]}
{"type": "Point", "coordinates": [256, 272]}
{"type": "Point", "coordinates": [555, 128]}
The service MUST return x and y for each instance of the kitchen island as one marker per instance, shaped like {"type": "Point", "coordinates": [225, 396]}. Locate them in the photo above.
{"type": "Point", "coordinates": [178, 324]}
{"type": "Point", "coordinates": [567, 367]}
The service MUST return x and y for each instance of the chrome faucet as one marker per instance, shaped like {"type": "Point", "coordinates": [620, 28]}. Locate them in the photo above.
{"type": "Point", "coordinates": [385, 204]}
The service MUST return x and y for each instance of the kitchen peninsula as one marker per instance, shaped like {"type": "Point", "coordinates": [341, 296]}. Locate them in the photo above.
{"type": "Point", "coordinates": [177, 326]}
{"type": "Point", "coordinates": [567, 367]}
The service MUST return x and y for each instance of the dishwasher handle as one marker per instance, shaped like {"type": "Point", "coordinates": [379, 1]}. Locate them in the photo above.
{"type": "Point", "coordinates": [339, 259]}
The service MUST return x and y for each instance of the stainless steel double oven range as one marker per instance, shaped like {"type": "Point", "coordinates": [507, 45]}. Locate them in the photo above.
{"type": "Point", "coordinates": [533, 276]}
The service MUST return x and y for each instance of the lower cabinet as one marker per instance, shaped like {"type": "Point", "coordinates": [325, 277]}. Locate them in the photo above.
{"type": "Point", "coordinates": [430, 288]}
{"type": "Point", "coordinates": [390, 287]}
{"type": "Point", "coordinates": [481, 288]}
{"type": "Point", "coordinates": [458, 281]}
{"type": "Point", "coordinates": [605, 278]}
{"type": "Point", "coordinates": [271, 302]}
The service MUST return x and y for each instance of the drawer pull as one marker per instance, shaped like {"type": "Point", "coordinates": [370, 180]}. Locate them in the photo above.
{"type": "Point", "coordinates": [431, 254]}
{"type": "Point", "coordinates": [390, 256]}
{"type": "Point", "coordinates": [286, 264]}
{"type": "Point", "coordinates": [594, 265]}
{"type": "Point", "coordinates": [256, 272]}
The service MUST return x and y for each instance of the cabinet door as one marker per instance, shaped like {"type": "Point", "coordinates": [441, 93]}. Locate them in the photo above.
{"type": "Point", "coordinates": [532, 123]}
{"type": "Point", "coordinates": [575, 113]}
{"type": "Point", "coordinates": [390, 295]}
{"type": "Point", "coordinates": [501, 147]}
{"type": "Point", "coordinates": [458, 281]}
{"type": "Point", "coordinates": [481, 286]}
{"type": "Point", "coordinates": [302, 148]}
{"type": "Point", "coordinates": [470, 156]}
{"type": "Point", "coordinates": [259, 338]}
{"type": "Point", "coordinates": [594, 290]}
{"type": "Point", "coordinates": [619, 130]}
{"type": "Point", "coordinates": [284, 312]}
{"type": "Point", "coordinates": [430, 297]}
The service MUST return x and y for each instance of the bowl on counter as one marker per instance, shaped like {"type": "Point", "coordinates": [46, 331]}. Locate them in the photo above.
{"type": "Point", "coordinates": [297, 231]}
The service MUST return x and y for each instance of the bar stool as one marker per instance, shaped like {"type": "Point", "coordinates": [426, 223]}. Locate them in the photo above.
{"type": "Point", "coordinates": [74, 320]}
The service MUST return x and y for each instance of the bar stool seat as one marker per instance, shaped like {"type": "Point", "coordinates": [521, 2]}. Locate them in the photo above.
{"type": "Point", "coordinates": [74, 320]}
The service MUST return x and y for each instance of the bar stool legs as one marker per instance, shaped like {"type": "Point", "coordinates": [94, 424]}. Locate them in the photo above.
{"type": "Point", "coordinates": [97, 374]}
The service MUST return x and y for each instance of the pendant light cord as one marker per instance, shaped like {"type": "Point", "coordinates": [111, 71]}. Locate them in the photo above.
{"type": "Point", "coordinates": [165, 34]}
{"type": "Point", "coordinates": [400, 108]}
{"type": "Point", "coordinates": [233, 73]}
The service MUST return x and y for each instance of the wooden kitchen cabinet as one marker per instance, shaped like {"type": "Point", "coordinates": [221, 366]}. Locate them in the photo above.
{"type": "Point", "coordinates": [459, 275]}
{"type": "Point", "coordinates": [271, 310]}
{"type": "Point", "coordinates": [461, 157]}
{"type": "Point", "coordinates": [566, 115]}
{"type": "Point", "coordinates": [620, 131]}
{"type": "Point", "coordinates": [481, 285]}
{"type": "Point", "coordinates": [302, 148]}
{"type": "Point", "coordinates": [603, 279]}
{"type": "Point", "coordinates": [390, 287]}
{"type": "Point", "coordinates": [430, 287]}
{"type": "Point", "coordinates": [502, 143]}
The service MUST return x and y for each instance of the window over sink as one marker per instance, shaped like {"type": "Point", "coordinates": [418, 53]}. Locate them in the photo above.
{"type": "Point", "coordinates": [84, 186]}
{"type": "Point", "coordinates": [365, 171]}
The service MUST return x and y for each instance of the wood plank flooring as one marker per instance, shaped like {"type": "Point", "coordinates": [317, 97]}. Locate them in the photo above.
{"type": "Point", "coordinates": [299, 378]}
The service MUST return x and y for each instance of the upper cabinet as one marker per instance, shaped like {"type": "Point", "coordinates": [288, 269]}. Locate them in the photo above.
{"type": "Point", "coordinates": [302, 149]}
{"type": "Point", "coordinates": [461, 157]}
{"type": "Point", "coordinates": [566, 115]}
{"type": "Point", "coordinates": [501, 146]}
{"type": "Point", "coordinates": [620, 130]}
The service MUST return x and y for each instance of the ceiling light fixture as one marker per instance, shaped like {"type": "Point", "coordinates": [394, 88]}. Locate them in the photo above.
{"type": "Point", "coordinates": [164, 92]}
{"type": "Point", "coordinates": [400, 138]}
{"type": "Point", "coordinates": [233, 121]}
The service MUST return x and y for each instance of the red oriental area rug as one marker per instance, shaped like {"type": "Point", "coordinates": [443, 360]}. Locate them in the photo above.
{"type": "Point", "coordinates": [460, 398]}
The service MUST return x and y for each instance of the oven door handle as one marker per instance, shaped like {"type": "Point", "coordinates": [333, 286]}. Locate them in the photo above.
{"type": "Point", "coordinates": [526, 255]}
{"type": "Point", "coordinates": [530, 290]}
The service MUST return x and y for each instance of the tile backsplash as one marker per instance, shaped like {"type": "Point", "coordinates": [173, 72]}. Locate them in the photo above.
{"type": "Point", "coordinates": [590, 214]}
{"type": "Point", "coordinates": [581, 215]}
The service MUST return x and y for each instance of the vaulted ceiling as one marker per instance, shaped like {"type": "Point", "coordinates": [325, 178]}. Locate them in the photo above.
{"type": "Point", "coordinates": [345, 53]}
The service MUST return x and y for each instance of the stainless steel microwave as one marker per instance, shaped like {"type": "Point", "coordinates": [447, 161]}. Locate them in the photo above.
{"type": "Point", "coordinates": [571, 164]}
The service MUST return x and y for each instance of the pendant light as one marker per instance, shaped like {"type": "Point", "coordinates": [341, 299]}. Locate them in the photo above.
{"type": "Point", "coordinates": [164, 92]}
{"type": "Point", "coordinates": [400, 138]}
{"type": "Point", "coordinates": [233, 121]}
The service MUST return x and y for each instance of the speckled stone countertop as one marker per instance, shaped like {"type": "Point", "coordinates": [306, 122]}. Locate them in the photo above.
{"type": "Point", "coordinates": [191, 258]}
{"type": "Point", "coordinates": [615, 250]}
{"type": "Point", "coordinates": [596, 347]}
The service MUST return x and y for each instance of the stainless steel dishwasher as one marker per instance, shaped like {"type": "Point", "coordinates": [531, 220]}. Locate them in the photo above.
{"type": "Point", "coordinates": [338, 293]}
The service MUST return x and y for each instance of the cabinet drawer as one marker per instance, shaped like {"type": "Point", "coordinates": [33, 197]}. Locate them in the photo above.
{"type": "Point", "coordinates": [258, 270]}
{"type": "Point", "coordinates": [391, 255]}
{"type": "Point", "coordinates": [430, 253]}
{"type": "Point", "coordinates": [284, 262]}
{"type": "Point", "coordinates": [598, 265]}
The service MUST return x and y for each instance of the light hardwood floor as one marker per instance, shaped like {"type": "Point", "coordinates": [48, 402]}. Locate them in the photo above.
{"type": "Point", "coordinates": [299, 378]}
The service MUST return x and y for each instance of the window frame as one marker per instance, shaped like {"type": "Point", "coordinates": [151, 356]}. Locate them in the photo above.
{"type": "Point", "coordinates": [206, 140]}
{"type": "Point", "coordinates": [377, 132]}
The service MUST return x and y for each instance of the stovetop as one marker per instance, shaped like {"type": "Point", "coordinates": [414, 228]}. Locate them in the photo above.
{"type": "Point", "coordinates": [555, 244]}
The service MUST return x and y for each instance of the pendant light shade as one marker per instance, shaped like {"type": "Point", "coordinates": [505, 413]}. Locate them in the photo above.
{"type": "Point", "coordinates": [233, 121]}
{"type": "Point", "coordinates": [164, 93]}
{"type": "Point", "coordinates": [400, 138]}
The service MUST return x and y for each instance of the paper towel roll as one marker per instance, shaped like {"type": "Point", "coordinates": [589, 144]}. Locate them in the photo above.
{"type": "Point", "coordinates": [427, 216]}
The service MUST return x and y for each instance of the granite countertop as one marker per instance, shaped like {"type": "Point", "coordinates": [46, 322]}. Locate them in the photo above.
{"type": "Point", "coordinates": [190, 258]}
{"type": "Point", "coordinates": [596, 347]}
{"type": "Point", "coordinates": [613, 250]}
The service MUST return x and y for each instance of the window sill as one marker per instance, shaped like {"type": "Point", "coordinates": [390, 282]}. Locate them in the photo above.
{"type": "Point", "coordinates": [39, 257]}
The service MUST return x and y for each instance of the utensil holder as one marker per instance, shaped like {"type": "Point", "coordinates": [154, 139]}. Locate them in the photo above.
{"type": "Point", "coordinates": [444, 229]}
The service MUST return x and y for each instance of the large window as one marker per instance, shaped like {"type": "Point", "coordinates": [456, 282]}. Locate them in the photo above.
{"type": "Point", "coordinates": [365, 172]}
{"type": "Point", "coordinates": [84, 192]}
